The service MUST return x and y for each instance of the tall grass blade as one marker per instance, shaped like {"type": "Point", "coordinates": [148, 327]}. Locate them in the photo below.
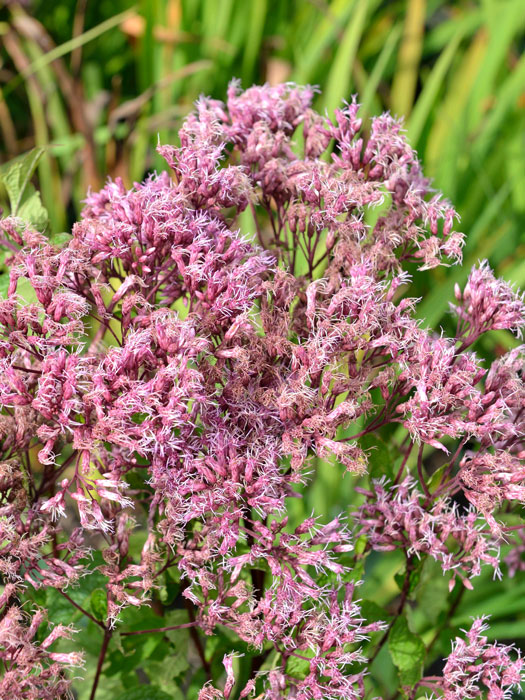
{"type": "Point", "coordinates": [505, 102]}
{"type": "Point", "coordinates": [447, 133]}
{"type": "Point", "coordinates": [405, 79]}
{"type": "Point", "coordinates": [378, 71]}
{"type": "Point", "coordinates": [67, 47]}
{"type": "Point", "coordinates": [254, 37]}
{"type": "Point", "coordinates": [309, 56]}
{"type": "Point", "coordinates": [340, 76]}
{"type": "Point", "coordinates": [426, 100]}
{"type": "Point", "coordinates": [510, 20]}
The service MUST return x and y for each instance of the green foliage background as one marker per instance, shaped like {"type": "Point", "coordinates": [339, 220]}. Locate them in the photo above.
{"type": "Point", "coordinates": [95, 81]}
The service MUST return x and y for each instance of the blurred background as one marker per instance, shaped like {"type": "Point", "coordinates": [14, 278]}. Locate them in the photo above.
{"type": "Point", "coordinates": [99, 82]}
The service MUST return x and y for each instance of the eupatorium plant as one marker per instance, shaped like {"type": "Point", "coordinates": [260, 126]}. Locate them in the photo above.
{"type": "Point", "coordinates": [174, 373]}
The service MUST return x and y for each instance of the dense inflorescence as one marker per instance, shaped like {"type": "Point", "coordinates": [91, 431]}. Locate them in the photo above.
{"type": "Point", "coordinates": [199, 344]}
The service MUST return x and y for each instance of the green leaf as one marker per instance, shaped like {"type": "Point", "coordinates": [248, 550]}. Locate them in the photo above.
{"type": "Point", "coordinates": [432, 591]}
{"type": "Point", "coordinates": [145, 692]}
{"type": "Point", "coordinates": [407, 652]}
{"type": "Point", "coordinates": [298, 668]}
{"type": "Point", "coordinates": [60, 239]}
{"type": "Point", "coordinates": [181, 636]}
{"type": "Point", "coordinates": [502, 604]}
{"type": "Point", "coordinates": [16, 176]}
{"type": "Point", "coordinates": [356, 573]}
{"type": "Point", "coordinates": [407, 69]}
{"type": "Point", "coordinates": [82, 590]}
{"type": "Point", "coordinates": [108, 689]}
{"type": "Point", "coordinates": [310, 53]}
{"type": "Point", "coordinates": [99, 604]}
{"type": "Point", "coordinates": [414, 579]}
{"type": "Point", "coordinates": [32, 210]}
{"type": "Point", "coordinates": [271, 661]}
{"type": "Point", "coordinates": [148, 649]}
{"type": "Point", "coordinates": [510, 629]}
{"type": "Point", "coordinates": [255, 34]}
{"type": "Point", "coordinates": [4, 284]}
{"type": "Point", "coordinates": [372, 612]}
{"type": "Point", "coordinates": [508, 94]}
{"type": "Point", "coordinates": [60, 610]}
{"type": "Point", "coordinates": [68, 47]}
{"type": "Point", "coordinates": [166, 672]}
{"type": "Point", "coordinates": [380, 460]}
{"type": "Point", "coordinates": [198, 680]}
{"type": "Point", "coordinates": [179, 639]}
{"type": "Point", "coordinates": [360, 544]}
{"type": "Point", "coordinates": [436, 477]}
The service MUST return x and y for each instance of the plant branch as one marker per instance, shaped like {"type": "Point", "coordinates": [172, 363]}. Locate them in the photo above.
{"type": "Point", "coordinates": [101, 657]}
{"type": "Point", "coordinates": [82, 610]}
{"type": "Point", "coordinates": [160, 629]}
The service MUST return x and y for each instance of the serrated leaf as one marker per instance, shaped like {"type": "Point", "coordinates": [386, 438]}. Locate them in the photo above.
{"type": "Point", "coordinates": [179, 639]}
{"type": "Point", "coordinates": [298, 668]}
{"type": "Point", "coordinates": [59, 609]}
{"type": "Point", "coordinates": [432, 592]}
{"type": "Point", "coordinates": [16, 176]}
{"type": "Point", "coordinates": [170, 590]}
{"type": "Point", "coordinates": [407, 652]}
{"type": "Point", "coordinates": [136, 650]}
{"type": "Point", "coordinates": [32, 210]}
{"type": "Point", "coordinates": [99, 604]}
{"type": "Point", "coordinates": [177, 617]}
{"type": "Point", "coordinates": [372, 612]}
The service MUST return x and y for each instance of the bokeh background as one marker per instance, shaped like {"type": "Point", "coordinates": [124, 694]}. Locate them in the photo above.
{"type": "Point", "coordinates": [99, 82]}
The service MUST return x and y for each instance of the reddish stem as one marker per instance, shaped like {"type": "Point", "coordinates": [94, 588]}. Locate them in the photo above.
{"type": "Point", "coordinates": [160, 629]}
{"type": "Point", "coordinates": [101, 657]}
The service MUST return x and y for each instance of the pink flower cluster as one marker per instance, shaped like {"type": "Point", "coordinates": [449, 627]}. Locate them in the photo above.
{"type": "Point", "coordinates": [396, 517]}
{"type": "Point", "coordinates": [475, 667]}
{"type": "Point", "coordinates": [31, 670]}
{"type": "Point", "coordinates": [487, 304]}
{"type": "Point", "coordinates": [164, 345]}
